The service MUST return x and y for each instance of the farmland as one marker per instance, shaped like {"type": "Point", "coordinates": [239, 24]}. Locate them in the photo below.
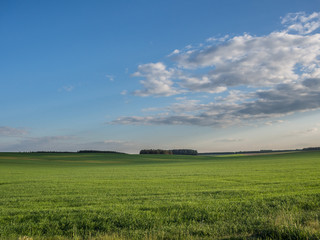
{"type": "Point", "coordinates": [120, 196]}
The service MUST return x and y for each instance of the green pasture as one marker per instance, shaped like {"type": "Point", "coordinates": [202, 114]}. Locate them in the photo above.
{"type": "Point", "coordinates": [119, 196]}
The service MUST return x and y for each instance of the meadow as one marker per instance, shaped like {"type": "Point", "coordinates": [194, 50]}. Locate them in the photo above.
{"type": "Point", "coordinates": [119, 196]}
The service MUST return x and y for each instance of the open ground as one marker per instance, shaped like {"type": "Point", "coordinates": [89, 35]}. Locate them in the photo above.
{"type": "Point", "coordinates": [120, 196]}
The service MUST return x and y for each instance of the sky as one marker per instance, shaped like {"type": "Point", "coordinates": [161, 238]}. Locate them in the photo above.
{"type": "Point", "coordinates": [129, 75]}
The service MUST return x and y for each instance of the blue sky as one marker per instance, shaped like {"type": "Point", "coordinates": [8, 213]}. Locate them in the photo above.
{"type": "Point", "coordinates": [126, 75]}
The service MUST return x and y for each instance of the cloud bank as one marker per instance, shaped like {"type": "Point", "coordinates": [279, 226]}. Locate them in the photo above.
{"type": "Point", "coordinates": [65, 143]}
{"type": "Point", "coordinates": [6, 131]}
{"type": "Point", "coordinates": [247, 77]}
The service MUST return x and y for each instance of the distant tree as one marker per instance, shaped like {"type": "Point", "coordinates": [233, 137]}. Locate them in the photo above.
{"type": "Point", "coordinates": [184, 152]}
{"type": "Point", "coordinates": [155, 151]}
{"type": "Point", "coordinates": [169, 152]}
{"type": "Point", "coordinates": [311, 148]}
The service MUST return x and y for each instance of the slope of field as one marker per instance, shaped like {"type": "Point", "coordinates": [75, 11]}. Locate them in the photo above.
{"type": "Point", "coordinates": [118, 196]}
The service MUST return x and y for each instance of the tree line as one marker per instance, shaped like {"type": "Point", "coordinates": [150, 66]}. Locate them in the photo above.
{"type": "Point", "coordinates": [311, 149]}
{"type": "Point", "coordinates": [170, 152]}
{"type": "Point", "coordinates": [80, 151]}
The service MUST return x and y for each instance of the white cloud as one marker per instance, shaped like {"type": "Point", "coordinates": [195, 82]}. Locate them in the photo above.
{"type": "Point", "coordinates": [258, 61]}
{"type": "Point", "coordinates": [176, 51]}
{"type": "Point", "coordinates": [158, 80]}
{"type": "Point", "coordinates": [110, 77]}
{"type": "Point", "coordinates": [67, 88]}
{"type": "Point", "coordinates": [235, 108]}
{"type": "Point", "coordinates": [302, 23]}
{"type": "Point", "coordinates": [249, 78]}
{"type": "Point", "coordinates": [252, 61]}
{"type": "Point", "coordinates": [220, 39]}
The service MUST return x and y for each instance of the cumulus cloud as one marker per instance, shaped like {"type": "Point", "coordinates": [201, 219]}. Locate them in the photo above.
{"type": "Point", "coordinates": [252, 61]}
{"type": "Point", "coordinates": [12, 132]}
{"type": "Point", "coordinates": [284, 99]}
{"type": "Point", "coordinates": [158, 80]}
{"type": "Point", "coordinates": [278, 57]}
{"type": "Point", "coordinates": [236, 108]}
{"type": "Point", "coordinates": [312, 83]}
{"type": "Point", "coordinates": [188, 112]}
{"type": "Point", "coordinates": [247, 77]}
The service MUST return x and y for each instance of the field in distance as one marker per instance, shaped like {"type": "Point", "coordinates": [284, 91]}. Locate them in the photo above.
{"type": "Point", "coordinates": [120, 196]}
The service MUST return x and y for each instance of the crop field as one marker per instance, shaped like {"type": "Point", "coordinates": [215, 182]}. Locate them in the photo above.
{"type": "Point", "coordinates": [119, 196]}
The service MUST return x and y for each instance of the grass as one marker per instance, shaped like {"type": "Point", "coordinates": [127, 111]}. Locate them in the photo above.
{"type": "Point", "coordinates": [118, 196]}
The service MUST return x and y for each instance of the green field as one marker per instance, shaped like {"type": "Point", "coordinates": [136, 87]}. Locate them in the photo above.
{"type": "Point", "coordinates": [119, 196]}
